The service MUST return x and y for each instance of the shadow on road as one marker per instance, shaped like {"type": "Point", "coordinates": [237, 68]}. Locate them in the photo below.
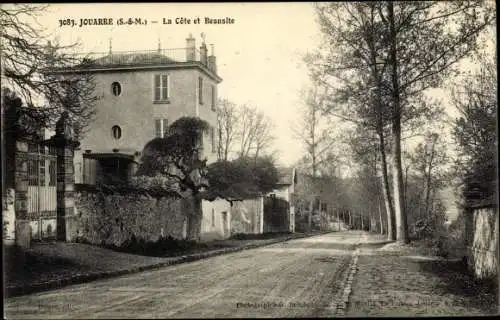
{"type": "Point", "coordinates": [318, 245]}
{"type": "Point", "coordinates": [374, 245]}
{"type": "Point", "coordinates": [457, 280]}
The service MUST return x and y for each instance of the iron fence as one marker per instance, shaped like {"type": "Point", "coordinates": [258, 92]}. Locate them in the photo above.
{"type": "Point", "coordinates": [42, 190]}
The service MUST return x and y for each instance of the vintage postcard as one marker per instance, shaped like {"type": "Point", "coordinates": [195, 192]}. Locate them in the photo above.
{"type": "Point", "coordinates": [246, 160]}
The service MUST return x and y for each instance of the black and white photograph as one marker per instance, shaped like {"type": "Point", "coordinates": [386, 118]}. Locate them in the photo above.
{"type": "Point", "coordinates": [249, 160]}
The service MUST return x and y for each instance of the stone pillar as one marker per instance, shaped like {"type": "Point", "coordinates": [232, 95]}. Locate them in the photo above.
{"type": "Point", "coordinates": [22, 225]}
{"type": "Point", "coordinates": [63, 141]}
{"type": "Point", "coordinates": [9, 216]}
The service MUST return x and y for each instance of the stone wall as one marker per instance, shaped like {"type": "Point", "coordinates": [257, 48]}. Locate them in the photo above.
{"type": "Point", "coordinates": [111, 218]}
{"type": "Point", "coordinates": [9, 216]}
{"type": "Point", "coordinates": [483, 245]}
{"type": "Point", "coordinates": [216, 222]}
{"type": "Point", "coordinates": [247, 216]}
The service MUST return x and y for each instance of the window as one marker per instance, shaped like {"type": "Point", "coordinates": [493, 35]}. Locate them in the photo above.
{"type": "Point", "coordinates": [161, 127]}
{"type": "Point", "coordinates": [117, 132]}
{"type": "Point", "coordinates": [116, 88]}
{"type": "Point", "coordinates": [161, 92]}
{"type": "Point", "coordinates": [200, 89]}
{"type": "Point", "coordinates": [158, 128]}
{"type": "Point", "coordinates": [165, 127]}
{"type": "Point", "coordinates": [212, 138]}
{"type": "Point", "coordinates": [213, 98]}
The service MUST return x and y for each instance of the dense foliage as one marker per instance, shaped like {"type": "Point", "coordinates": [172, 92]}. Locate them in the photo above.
{"type": "Point", "coordinates": [177, 155]}
{"type": "Point", "coordinates": [28, 57]}
{"type": "Point", "coordinates": [242, 178]}
{"type": "Point", "coordinates": [475, 132]}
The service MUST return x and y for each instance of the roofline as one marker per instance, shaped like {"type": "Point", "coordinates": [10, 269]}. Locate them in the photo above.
{"type": "Point", "coordinates": [176, 65]}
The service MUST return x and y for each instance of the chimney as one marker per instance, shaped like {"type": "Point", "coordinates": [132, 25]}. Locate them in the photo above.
{"type": "Point", "coordinates": [212, 62]}
{"type": "Point", "coordinates": [203, 53]}
{"type": "Point", "coordinates": [190, 48]}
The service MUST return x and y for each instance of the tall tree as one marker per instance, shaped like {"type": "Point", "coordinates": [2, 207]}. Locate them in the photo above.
{"type": "Point", "coordinates": [18, 122]}
{"type": "Point", "coordinates": [475, 129]}
{"type": "Point", "coordinates": [28, 57]}
{"type": "Point", "coordinates": [419, 45]}
{"type": "Point", "coordinates": [425, 42]}
{"type": "Point", "coordinates": [254, 132]}
{"type": "Point", "coordinates": [314, 133]}
{"type": "Point", "coordinates": [354, 59]}
{"type": "Point", "coordinates": [227, 125]}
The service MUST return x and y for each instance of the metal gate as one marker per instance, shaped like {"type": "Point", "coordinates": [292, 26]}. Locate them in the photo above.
{"type": "Point", "coordinates": [42, 191]}
{"type": "Point", "coordinates": [276, 213]}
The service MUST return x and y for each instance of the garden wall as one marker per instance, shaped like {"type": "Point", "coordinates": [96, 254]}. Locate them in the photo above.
{"type": "Point", "coordinates": [483, 245]}
{"type": "Point", "coordinates": [216, 222]}
{"type": "Point", "coordinates": [247, 216]}
{"type": "Point", "coordinates": [111, 217]}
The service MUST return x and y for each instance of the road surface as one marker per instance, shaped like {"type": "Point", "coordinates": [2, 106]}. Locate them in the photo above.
{"type": "Point", "coordinates": [297, 278]}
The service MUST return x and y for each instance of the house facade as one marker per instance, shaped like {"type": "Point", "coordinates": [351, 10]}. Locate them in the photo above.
{"type": "Point", "coordinates": [140, 94]}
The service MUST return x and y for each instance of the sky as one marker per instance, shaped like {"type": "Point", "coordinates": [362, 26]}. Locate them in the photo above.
{"type": "Point", "coordinates": [259, 56]}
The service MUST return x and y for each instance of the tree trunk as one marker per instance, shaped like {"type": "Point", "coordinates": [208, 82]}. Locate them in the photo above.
{"type": "Point", "coordinates": [429, 182]}
{"type": "Point", "coordinates": [195, 215]}
{"type": "Point", "coordinates": [350, 218]}
{"type": "Point", "coordinates": [391, 235]}
{"type": "Point", "coordinates": [309, 217]}
{"type": "Point", "coordinates": [338, 218]}
{"type": "Point", "coordinates": [401, 224]}
{"type": "Point", "coordinates": [406, 187]}
{"type": "Point", "coordinates": [391, 225]}
{"type": "Point", "coordinates": [380, 217]}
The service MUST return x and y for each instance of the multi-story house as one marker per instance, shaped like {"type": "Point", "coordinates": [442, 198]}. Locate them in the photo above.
{"type": "Point", "coordinates": [140, 93]}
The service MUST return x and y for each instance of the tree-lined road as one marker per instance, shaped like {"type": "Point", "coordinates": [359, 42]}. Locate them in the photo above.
{"type": "Point", "coordinates": [291, 279]}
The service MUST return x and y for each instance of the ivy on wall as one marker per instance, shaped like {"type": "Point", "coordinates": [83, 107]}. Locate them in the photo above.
{"type": "Point", "coordinates": [112, 216]}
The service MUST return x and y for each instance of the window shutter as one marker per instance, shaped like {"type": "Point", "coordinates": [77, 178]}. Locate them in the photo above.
{"type": "Point", "coordinates": [164, 87]}
{"type": "Point", "coordinates": [158, 133]}
{"type": "Point", "coordinates": [165, 127]}
{"type": "Point", "coordinates": [157, 87]}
